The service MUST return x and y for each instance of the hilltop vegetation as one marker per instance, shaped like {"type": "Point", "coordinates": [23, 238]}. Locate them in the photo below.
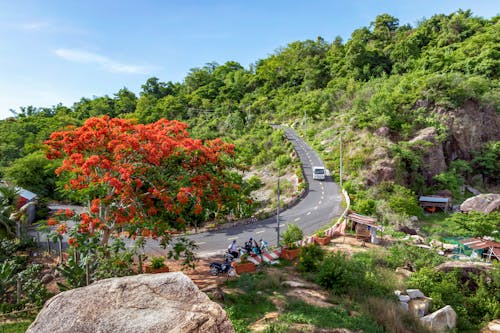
{"type": "Point", "coordinates": [391, 76]}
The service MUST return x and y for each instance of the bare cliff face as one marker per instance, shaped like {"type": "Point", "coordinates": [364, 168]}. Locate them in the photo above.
{"type": "Point", "coordinates": [470, 127]}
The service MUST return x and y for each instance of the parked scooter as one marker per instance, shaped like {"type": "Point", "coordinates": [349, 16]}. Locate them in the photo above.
{"type": "Point", "coordinates": [217, 268]}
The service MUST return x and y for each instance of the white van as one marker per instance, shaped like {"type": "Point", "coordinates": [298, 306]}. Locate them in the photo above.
{"type": "Point", "coordinates": [319, 173]}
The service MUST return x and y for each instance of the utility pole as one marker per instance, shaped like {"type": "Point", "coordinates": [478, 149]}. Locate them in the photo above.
{"type": "Point", "coordinates": [340, 173]}
{"type": "Point", "coordinates": [278, 211]}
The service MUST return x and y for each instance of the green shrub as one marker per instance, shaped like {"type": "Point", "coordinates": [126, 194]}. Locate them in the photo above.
{"type": "Point", "coordinates": [413, 257]}
{"type": "Point", "coordinates": [310, 257]}
{"type": "Point", "coordinates": [338, 273]}
{"type": "Point", "coordinates": [291, 235]}
{"type": "Point", "coordinates": [157, 262]}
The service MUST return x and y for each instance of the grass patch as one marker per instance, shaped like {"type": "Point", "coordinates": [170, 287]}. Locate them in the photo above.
{"type": "Point", "coordinates": [299, 312]}
{"type": "Point", "coordinates": [242, 309]}
{"type": "Point", "coordinates": [19, 327]}
{"type": "Point", "coordinates": [437, 226]}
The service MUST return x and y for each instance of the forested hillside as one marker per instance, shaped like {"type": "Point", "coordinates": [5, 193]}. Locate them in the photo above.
{"type": "Point", "coordinates": [417, 108]}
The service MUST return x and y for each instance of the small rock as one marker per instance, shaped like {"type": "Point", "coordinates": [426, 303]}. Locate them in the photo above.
{"type": "Point", "coordinates": [353, 313]}
{"type": "Point", "coordinates": [420, 306]}
{"type": "Point", "coordinates": [293, 284]}
{"type": "Point", "coordinates": [414, 293]}
{"type": "Point", "coordinates": [404, 305]}
{"type": "Point", "coordinates": [404, 298]}
{"type": "Point", "coordinates": [403, 271]}
{"type": "Point", "coordinates": [47, 278]}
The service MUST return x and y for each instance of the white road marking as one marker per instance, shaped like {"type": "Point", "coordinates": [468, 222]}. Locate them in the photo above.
{"type": "Point", "coordinates": [316, 207]}
{"type": "Point", "coordinates": [260, 232]}
{"type": "Point", "coordinates": [308, 213]}
{"type": "Point", "coordinates": [319, 203]}
{"type": "Point", "coordinates": [231, 238]}
{"type": "Point", "coordinates": [201, 243]}
{"type": "Point", "coordinates": [322, 192]}
{"type": "Point", "coordinates": [322, 197]}
{"type": "Point", "coordinates": [296, 219]}
{"type": "Point", "coordinates": [282, 225]}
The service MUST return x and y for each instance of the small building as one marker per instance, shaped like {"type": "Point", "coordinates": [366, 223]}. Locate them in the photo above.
{"type": "Point", "coordinates": [433, 203]}
{"type": "Point", "coordinates": [488, 249]}
{"type": "Point", "coordinates": [365, 226]}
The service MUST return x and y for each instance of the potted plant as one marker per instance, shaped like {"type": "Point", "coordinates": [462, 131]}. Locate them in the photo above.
{"type": "Point", "coordinates": [157, 265]}
{"type": "Point", "coordinates": [244, 266]}
{"type": "Point", "coordinates": [321, 238]}
{"type": "Point", "coordinates": [292, 235]}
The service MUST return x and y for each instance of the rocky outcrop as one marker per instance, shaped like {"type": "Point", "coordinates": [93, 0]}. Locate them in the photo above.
{"type": "Point", "coordinates": [470, 127]}
{"type": "Point", "coordinates": [381, 170]}
{"type": "Point", "coordinates": [482, 203]}
{"type": "Point", "coordinates": [433, 155]}
{"type": "Point", "coordinates": [441, 320]}
{"type": "Point", "coordinates": [168, 302]}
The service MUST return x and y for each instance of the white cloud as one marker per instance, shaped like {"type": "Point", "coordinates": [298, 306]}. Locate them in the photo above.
{"type": "Point", "coordinates": [104, 62]}
{"type": "Point", "coordinates": [35, 25]}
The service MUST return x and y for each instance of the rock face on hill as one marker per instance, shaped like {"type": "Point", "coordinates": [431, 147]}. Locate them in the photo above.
{"type": "Point", "coordinates": [168, 302]}
{"type": "Point", "coordinates": [470, 127]}
{"type": "Point", "coordinates": [433, 154]}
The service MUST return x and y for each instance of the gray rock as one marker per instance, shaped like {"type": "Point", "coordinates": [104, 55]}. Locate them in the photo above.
{"type": "Point", "coordinates": [414, 293]}
{"type": "Point", "coordinates": [168, 302]}
{"type": "Point", "coordinates": [404, 298]}
{"type": "Point", "coordinates": [404, 305]}
{"type": "Point", "coordinates": [441, 320]}
{"type": "Point", "coordinates": [419, 307]}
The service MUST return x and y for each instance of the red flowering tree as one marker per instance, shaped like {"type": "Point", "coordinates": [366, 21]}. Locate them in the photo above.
{"type": "Point", "coordinates": [148, 180]}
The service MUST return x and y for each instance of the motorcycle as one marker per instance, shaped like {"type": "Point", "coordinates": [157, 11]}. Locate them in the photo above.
{"type": "Point", "coordinates": [217, 268]}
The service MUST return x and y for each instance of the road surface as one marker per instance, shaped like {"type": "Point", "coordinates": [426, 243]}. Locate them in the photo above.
{"type": "Point", "coordinates": [321, 204]}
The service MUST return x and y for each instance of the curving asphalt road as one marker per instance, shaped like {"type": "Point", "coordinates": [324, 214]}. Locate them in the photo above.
{"type": "Point", "coordinates": [321, 204]}
{"type": "Point", "coordinates": [316, 209]}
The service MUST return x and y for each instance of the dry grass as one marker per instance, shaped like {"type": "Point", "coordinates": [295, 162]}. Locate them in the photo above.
{"type": "Point", "coordinates": [392, 317]}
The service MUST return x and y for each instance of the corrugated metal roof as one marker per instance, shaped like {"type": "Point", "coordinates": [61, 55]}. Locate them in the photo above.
{"type": "Point", "coordinates": [434, 199]}
{"type": "Point", "coordinates": [358, 218]}
{"type": "Point", "coordinates": [25, 193]}
{"type": "Point", "coordinates": [478, 243]}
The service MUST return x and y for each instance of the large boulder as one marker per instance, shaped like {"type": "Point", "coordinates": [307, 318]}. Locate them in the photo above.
{"type": "Point", "coordinates": [441, 320]}
{"type": "Point", "coordinates": [482, 203]}
{"type": "Point", "coordinates": [168, 302]}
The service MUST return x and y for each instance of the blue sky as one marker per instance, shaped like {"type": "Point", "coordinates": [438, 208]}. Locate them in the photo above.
{"type": "Point", "coordinates": [60, 51]}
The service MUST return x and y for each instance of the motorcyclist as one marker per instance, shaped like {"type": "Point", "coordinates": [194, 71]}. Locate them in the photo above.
{"type": "Point", "coordinates": [233, 249]}
{"type": "Point", "coordinates": [256, 248]}
{"type": "Point", "coordinates": [249, 245]}
{"type": "Point", "coordinates": [263, 246]}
